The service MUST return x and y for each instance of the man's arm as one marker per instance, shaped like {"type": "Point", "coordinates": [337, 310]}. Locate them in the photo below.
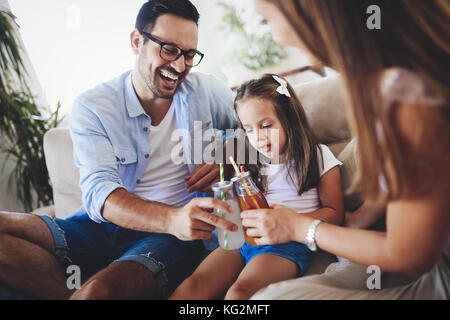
{"type": "Point", "coordinates": [105, 198]}
{"type": "Point", "coordinates": [190, 222]}
{"type": "Point", "coordinates": [95, 158]}
{"type": "Point", "coordinates": [129, 211]}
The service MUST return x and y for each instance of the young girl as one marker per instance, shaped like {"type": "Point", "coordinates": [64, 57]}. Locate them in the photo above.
{"type": "Point", "coordinates": [301, 175]}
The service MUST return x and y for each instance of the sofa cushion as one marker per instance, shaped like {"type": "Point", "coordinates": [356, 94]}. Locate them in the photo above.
{"type": "Point", "coordinates": [349, 158]}
{"type": "Point", "coordinates": [326, 109]}
{"type": "Point", "coordinates": [64, 175]}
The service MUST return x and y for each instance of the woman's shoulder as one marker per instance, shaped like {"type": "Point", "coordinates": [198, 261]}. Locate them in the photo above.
{"type": "Point", "coordinates": [419, 117]}
{"type": "Point", "coordinates": [399, 85]}
{"type": "Point", "coordinates": [412, 97]}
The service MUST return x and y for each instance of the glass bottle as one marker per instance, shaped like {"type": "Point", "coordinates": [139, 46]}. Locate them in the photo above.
{"type": "Point", "coordinates": [229, 240]}
{"type": "Point", "coordinates": [250, 197]}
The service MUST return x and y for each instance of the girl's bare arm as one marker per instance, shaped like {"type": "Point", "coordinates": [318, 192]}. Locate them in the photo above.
{"type": "Point", "coordinates": [331, 198]}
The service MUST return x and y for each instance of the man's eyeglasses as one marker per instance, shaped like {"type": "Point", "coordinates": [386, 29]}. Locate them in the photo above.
{"type": "Point", "coordinates": [171, 52]}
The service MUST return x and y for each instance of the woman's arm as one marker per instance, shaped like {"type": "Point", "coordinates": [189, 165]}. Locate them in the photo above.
{"type": "Point", "coordinates": [276, 226]}
{"type": "Point", "coordinates": [418, 232]}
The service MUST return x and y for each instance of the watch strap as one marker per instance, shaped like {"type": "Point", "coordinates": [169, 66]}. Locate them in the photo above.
{"type": "Point", "coordinates": [311, 235]}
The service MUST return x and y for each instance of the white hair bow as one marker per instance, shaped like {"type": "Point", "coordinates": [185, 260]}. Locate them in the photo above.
{"type": "Point", "coordinates": [282, 89]}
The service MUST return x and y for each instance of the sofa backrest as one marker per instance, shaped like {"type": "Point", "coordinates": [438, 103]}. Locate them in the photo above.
{"type": "Point", "coordinates": [325, 107]}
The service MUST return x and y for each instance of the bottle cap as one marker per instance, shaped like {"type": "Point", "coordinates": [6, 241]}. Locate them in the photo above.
{"type": "Point", "coordinates": [222, 186]}
{"type": "Point", "coordinates": [241, 176]}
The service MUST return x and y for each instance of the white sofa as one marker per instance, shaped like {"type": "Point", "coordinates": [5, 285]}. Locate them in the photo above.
{"type": "Point", "coordinates": [324, 105]}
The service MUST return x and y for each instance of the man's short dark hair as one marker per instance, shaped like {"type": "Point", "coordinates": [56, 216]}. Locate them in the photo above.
{"type": "Point", "coordinates": [152, 9]}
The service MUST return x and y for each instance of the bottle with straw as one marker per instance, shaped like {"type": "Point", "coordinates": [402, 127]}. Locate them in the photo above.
{"type": "Point", "coordinates": [224, 190]}
{"type": "Point", "coordinates": [250, 197]}
{"type": "Point", "coordinates": [242, 178]}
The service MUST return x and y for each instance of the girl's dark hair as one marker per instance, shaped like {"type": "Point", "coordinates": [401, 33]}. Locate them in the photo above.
{"type": "Point", "coordinates": [300, 153]}
{"type": "Point", "coordinates": [152, 9]}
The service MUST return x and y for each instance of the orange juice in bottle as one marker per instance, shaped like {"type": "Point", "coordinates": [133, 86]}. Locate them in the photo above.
{"type": "Point", "coordinates": [250, 197]}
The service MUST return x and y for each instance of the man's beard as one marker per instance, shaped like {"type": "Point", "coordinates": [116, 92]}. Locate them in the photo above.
{"type": "Point", "coordinates": [156, 76]}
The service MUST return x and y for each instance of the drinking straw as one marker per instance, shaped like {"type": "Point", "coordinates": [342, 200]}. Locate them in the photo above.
{"type": "Point", "coordinates": [222, 179]}
{"type": "Point", "coordinates": [222, 196]}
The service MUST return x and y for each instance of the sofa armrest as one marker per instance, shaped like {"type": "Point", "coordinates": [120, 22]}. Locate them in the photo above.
{"type": "Point", "coordinates": [63, 173]}
{"type": "Point", "coordinates": [45, 211]}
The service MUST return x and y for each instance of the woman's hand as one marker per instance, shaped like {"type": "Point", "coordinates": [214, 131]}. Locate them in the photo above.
{"type": "Point", "coordinates": [270, 226]}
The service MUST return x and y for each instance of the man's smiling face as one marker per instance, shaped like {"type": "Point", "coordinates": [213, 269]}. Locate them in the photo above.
{"type": "Point", "coordinates": [160, 76]}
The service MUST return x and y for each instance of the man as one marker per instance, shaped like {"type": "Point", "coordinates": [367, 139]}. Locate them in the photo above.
{"type": "Point", "coordinates": [137, 233]}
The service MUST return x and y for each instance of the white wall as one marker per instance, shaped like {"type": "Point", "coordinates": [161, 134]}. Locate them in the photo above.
{"type": "Point", "coordinates": [77, 44]}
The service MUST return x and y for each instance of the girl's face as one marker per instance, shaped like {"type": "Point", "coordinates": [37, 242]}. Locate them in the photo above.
{"type": "Point", "coordinates": [264, 130]}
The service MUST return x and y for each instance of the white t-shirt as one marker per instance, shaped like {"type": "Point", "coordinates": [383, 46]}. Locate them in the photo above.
{"type": "Point", "coordinates": [163, 179]}
{"type": "Point", "coordinates": [281, 190]}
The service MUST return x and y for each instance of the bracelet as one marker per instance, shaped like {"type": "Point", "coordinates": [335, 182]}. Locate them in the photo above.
{"type": "Point", "coordinates": [311, 235]}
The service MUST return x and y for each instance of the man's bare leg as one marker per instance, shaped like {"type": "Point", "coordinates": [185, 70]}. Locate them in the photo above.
{"type": "Point", "coordinates": [120, 280]}
{"type": "Point", "coordinates": [27, 262]}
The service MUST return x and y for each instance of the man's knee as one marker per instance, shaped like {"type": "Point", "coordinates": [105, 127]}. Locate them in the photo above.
{"type": "Point", "coordinates": [95, 289]}
{"type": "Point", "coordinates": [120, 280]}
{"type": "Point", "coordinates": [27, 227]}
{"type": "Point", "coordinates": [5, 222]}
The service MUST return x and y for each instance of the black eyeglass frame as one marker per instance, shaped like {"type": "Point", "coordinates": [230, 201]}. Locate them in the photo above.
{"type": "Point", "coordinates": [182, 52]}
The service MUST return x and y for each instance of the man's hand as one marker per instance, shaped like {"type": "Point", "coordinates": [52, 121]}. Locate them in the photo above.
{"type": "Point", "coordinates": [202, 178]}
{"type": "Point", "coordinates": [194, 221]}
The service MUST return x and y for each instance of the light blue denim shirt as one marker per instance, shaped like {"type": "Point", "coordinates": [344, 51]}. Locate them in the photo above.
{"type": "Point", "coordinates": [109, 130]}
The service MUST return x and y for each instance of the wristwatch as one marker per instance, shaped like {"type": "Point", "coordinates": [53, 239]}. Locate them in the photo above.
{"type": "Point", "coordinates": [311, 235]}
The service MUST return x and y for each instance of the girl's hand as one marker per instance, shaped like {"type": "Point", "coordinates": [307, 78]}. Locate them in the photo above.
{"type": "Point", "coordinates": [270, 226]}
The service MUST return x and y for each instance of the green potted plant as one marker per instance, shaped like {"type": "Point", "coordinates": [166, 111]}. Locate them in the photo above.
{"type": "Point", "coordinates": [22, 122]}
{"type": "Point", "coordinates": [253, 47]}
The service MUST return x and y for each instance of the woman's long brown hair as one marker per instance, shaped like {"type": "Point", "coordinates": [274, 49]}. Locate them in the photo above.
{"type": "Point", "coordinates": [300, 153]}
{"type": "Point", "coordinates": [414, 35]}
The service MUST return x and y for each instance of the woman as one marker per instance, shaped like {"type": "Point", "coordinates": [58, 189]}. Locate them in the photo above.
{"type": "Point", "coordinates": [397, 84]}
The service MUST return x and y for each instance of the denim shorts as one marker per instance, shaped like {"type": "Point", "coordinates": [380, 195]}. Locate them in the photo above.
{"type": "Point", "coordinates": [294, 251]}
{"type": "Point", "coordinates": [93, 246]}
